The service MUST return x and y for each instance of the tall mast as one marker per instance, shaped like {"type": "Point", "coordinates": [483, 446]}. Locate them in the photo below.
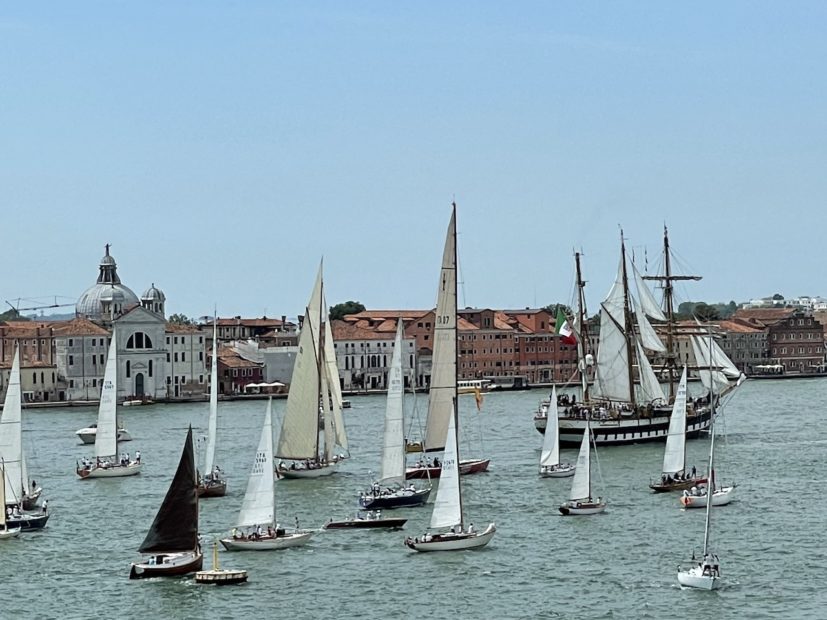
{"type": "Point", "coordinates": [456, 367]}
{"type": "Point", "coordinates": [668, 300]}
{"type": "Point", "coordinates": [628, 328]}
{"type": "Point", "coordinates": [582, 343]}
{"type": "Point", "coordinates": [710, 485]}
{"type": "Point", "coordinates": [317, 346]}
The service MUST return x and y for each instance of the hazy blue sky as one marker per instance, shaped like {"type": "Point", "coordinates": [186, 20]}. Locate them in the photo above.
{"type": "Point", "coordinates": [224, 147]}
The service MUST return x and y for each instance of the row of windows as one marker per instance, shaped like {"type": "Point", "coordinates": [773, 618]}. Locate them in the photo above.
{"type": "Point", "coordinates": [801, 351]}
{"type": "Point", "coordinates": [245, 372]}
{"type": "Point", "coordinates": [362, 345]}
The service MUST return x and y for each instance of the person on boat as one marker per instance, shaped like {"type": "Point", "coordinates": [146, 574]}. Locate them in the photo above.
{"type": "Point", "coordinates": [45, 505]}
{"type": "Point", "coordinates": [137, 456]}
{"type": "Point", "coordinates": [436, 462]}
{"type": "Point", "coordinates": [693, 471]}
{"type": "Point", "coordinates": [470, 528]}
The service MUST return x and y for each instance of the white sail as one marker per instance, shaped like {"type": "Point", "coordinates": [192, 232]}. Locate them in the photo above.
{"type": "Point", "coordinates": [712, 379]}
{"type": "Point", "coordinates": [550, 454]}
{"type": "Point", "coordinates": [448, 505]}
{"type": "Point", "coordinates": [650, 390]}
{"type": "Point", "coordinates": [11, 437]}
{"type": "Point", "coordinates": [647, 301]}
{"type": "Point", "coordinates": [299, 437]}
{"type": "Point", "coordinates": [615, 302]}
{"type": "Point", "coordinates": [106, 436]}
{"type": "Point", "coordinates": [393, 443]}
{"type": "Point", "coordinates": [212, 426]}
{"type": "Point", "coordinates": [444, 360]}
{"type": "Point", "coordinates": [329, 420]}
{"type": "Point", "coordinates": [332, 371]}
{"type": "Point", "coordinates": [2, 495]}
{"type": "Point", "coordinates": [612, 360]}
{"type": "Point", "coordinates": [648, 338]}
{"type": "Point", "coordinates": [721, 360]}
{"type": "Point", "coordinates": [258, 507]}
{"type": "Point", "coordinates": [674, 457]}
{"type": "Point", "coordinates": [581, 484]}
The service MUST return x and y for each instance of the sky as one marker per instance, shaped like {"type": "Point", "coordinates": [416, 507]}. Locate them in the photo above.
{"type": "Point", "coordinates": [224, 148]}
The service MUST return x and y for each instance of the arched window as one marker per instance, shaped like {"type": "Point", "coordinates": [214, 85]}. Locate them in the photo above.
{"type": "Point", "coordinates": [128, 369]}
{"type": "Point", "coordinates": [139, 340]}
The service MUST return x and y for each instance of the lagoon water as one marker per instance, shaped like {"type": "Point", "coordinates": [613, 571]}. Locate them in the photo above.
{"type": "Point", "coordinates": [621, 564]}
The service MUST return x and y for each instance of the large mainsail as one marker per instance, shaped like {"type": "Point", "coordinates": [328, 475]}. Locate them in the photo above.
{"type": "Point", "coordinates": [209, 457]}
{"type": "Point", "coordinates": [444, 365]}
{"type": "Point", "coordinates": [674, 457]}
{"type": "Point", "coordinates": [550, 454]}
{"type": "Point", "coordinates": [612, 381]}
{"type": "Point", "coordinates": [175, 527]}
{"type": "Point", "coordinates": [332, 372]}
{"type": "Point", "coordinates": [11, 438]}
{"type": "Point", "coordinates": [393, 444]}
{"type": "Point", "coordinates": [259, 506]}
{"type": "Point", "coordinates": [299, 437]}
{"type": "Point", "coordinates": [106, 436]}
{"type": "Point", "coordinates": [448, 503]}
{"type": "Point", "coordinates": [581, 484]}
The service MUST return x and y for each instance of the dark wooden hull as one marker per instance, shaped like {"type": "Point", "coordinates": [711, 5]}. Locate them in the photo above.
{"type": "Point", "coordinates": [145, 571]}
{"type": "Point", "coordinates": [374, 502]}
{"type": "Point", "coordinates": [213, 489]}
{"type": "Point", "coordinates": [28, 522]}
{"type": "Point", "coordinates": [470, 466]}
{"type": "Point", "coordinates": [352, 524]}
{"type": "Point", "coordinates": [678, 485]}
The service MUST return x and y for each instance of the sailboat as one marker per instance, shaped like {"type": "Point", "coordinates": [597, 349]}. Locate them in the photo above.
{"type": "Point", "coordinates": [5, 530]}
{"type": "Point", "coordinates": [171, 546]}
{"type": "Point", "coordinates": [314, 402]}
{"type": "Point", "coordinates": [443, 390]}
{"type": "Point", "coordinates": [674, 476]}
{"type": "Point", "coordinates": [258, 510]}
{"type": "Point", "coordinates": [550, 465]}
{"type": "Point", "coordinates": [581, 501]}
{"type": "Point", "coordinates": [390, 491]}
{"type": "Point", "coordinates": [13, 460]}
{"type": "Point", "coordinates": [448, 514]}
{"type": "Point", "coordinates": [107, 464]}
{"type": "Point", "coordinates": [706, 574]}
{"type": "Point", "coordinates": [212, 482]}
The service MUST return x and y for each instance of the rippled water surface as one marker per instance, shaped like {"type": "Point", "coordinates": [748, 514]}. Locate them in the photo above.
{"type": "Point", "coordinates": [620, 564]}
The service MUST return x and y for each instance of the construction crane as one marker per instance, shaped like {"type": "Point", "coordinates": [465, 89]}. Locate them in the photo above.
{"type": "Point", "coordinates": [17, 309]}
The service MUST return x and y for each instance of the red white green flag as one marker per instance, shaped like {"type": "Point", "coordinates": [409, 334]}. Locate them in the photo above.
{"type": "Point", "coordinates": [563, 328]}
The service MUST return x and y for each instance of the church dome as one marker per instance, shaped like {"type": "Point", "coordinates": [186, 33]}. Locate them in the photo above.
{"type": "Point", "coordinates": [108, 288]}
{"type": "Point", "coordinates": [153, 294]}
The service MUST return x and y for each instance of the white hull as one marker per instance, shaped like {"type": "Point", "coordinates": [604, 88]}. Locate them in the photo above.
{"type": "Point", "coordinates": [294, 539]}
{"type": "Point", "coordinates": [564, 470]}
{"type": "Point", "coordinates": [583, 508]}
{"type": "Point", "coordinates": [115, 471]}
{"type": "Point", "coordinates": [9, 533]}
{"type": "Point", "coordinates": [448, 542]}
{"type": "Point", "coordinates": [694, 578]}
{"type": "Point", "coordinates": [87, 435]}
{"type": "Point", "coordinates": [313, 472]}
{"type": "Point", "coordinates": [721, 497]}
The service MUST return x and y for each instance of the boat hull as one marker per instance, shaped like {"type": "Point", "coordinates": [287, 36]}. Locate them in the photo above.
{"type": "Point", "coordinates": [172, 565]}
{"type": "Point", "coordinates": [721, 497]}
{"type": "Point", "coordinates": [676, 485]}
{"type": "Point", "coordinates": [266, 543]}
{"type": "Point", "coordinates": [27, 522]}
{"type": "Point", "coordinates": [313, 472]}
{"type": "Point", "coordinates": [352, 524]}
{"type": "Point", "coordinates": [694, 578]}
{"type": "Point", "coordinates": [115, 471]}
{"type": "Point", "coordinates": [87, 435]}
{"type": "Point", "coordinates": [624, 431]}
{"type": "Point", "coordinates": [582, 508]}
{"type": "Point", "coordinates": [453, 542]}
{"type": "Point", "coordinates": [466, 467]}
{"type": "Point", "coordinates": [7, 533]}
{"type": "Point", "coordinates": [213, 488]}
{"type": "Point", "coordinates": [221, 577]}
{"type": "Point", "coordinates": [564, 470]}
{"type": "Point", "coordinates": [398, 499]}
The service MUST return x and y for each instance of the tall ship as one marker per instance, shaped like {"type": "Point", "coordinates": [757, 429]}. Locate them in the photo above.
{"type": "Point", "coordinates": [621, 396]}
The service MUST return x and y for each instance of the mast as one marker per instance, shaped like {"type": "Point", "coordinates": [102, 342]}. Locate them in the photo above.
{"type": "Point", "coordinates": [589, 459]}
{"type": "Point", "coordinates": [456, 366]}
{"type": "Point", "coordinates": [710, 484]}
{"type": "Point", "coordinates": [317, 348]}
{"type": "Point", "coordinates": [628, 322]}
{"type": "Point", "coordinates": [668, 300]}
{"type": "Point", "coordinates": [582, 344]}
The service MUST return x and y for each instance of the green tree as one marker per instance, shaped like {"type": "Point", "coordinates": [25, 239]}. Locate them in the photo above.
{"type": "Point", "coordinates": [349, 307]}
{"type": "Point", "coordinates": [705, 312]}
{"type": "Point", "coordinates": [778, 297]}
{"type": "Point", "coordinates": [181, 319]}
{"type": "Point", "coordinates": [12, 315]}
{"type": "Point", "coordinates": [552, 310]}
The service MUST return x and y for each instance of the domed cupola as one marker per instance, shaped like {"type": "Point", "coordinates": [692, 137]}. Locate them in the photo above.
{"type": "Point", "coordinates": [107, 298]}
{"type": "Point", "coordinates": [153, 299]}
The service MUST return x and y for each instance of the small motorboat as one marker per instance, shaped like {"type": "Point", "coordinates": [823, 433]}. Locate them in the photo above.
{"type": "Point", "coordinates": [87, 435]}
{"type": "Point", "coordinates": [372, 519]}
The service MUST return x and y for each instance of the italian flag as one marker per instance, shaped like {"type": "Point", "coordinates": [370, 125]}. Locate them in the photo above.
{"type": "Point", "coordinates": [563, 328]}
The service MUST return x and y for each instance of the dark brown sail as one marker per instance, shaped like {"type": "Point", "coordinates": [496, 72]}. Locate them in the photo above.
{"type": "Point", "coordinates": [176, 525]}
